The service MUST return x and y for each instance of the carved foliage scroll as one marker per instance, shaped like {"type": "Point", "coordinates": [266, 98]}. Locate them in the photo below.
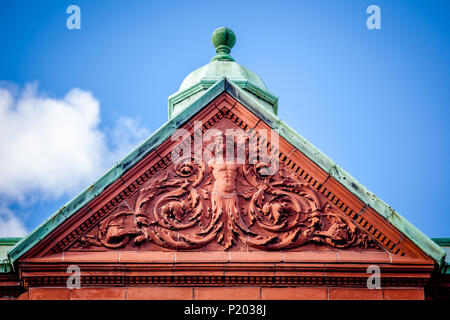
{"type": "Point", "coordinates": [192, 204]}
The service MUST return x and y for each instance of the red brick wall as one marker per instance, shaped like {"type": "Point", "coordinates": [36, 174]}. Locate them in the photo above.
{"type": "Point", "coordinates": [224, 293]}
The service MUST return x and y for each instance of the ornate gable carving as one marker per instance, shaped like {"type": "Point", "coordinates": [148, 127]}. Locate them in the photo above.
{"type": "Point", "coordinates": [159, 205]}
{"type": "Point", "coordinates": [193, 203]}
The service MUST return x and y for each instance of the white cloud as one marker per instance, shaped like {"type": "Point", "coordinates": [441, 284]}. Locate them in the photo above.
{"type": "Point", "coordinates": [48, 145]}
{"type": "Point", "coordinates": [10, 225]}
{"type": "Point", "coordinates": [54, 147]}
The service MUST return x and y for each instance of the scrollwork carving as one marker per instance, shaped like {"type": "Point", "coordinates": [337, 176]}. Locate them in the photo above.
{"type": "Point", "coordinates": [192, 204]}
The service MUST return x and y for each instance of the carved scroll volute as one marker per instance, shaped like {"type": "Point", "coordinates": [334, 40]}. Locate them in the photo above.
{"type": "Point", "coordinates": [193, 203]}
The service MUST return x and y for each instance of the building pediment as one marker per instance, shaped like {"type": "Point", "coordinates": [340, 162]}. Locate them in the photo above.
{"type": "Point", "coordinates": [225, 194]}
{"type": "Point", "coordinates": [157, 205]}
{"type": "Point", "coordinates": [205, 223]}
{"type": "Point", "coordinates": [195, 204]}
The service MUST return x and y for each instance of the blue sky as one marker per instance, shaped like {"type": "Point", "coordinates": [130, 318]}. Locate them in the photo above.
{"type": "Point", "coordinates": [375, 101]}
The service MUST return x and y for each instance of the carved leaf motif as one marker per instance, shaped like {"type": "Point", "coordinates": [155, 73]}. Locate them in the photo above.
{"type": "Point", "coordinates": [259, 198]}
{"type": "Point", "coordinates": [192, 204]}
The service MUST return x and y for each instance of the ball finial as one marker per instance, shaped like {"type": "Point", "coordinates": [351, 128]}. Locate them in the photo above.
{"type": "Point", "coordinates": [223, 40]}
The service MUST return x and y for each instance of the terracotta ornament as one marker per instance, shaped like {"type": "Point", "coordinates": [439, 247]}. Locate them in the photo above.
{"type": "Point", "coordinates": [193, 203]}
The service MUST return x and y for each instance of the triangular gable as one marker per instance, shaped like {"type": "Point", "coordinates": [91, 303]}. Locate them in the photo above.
{"type": "Point", "coordinates": [212, 206]}
{"type": "Point", "coordinates": [367, 213]}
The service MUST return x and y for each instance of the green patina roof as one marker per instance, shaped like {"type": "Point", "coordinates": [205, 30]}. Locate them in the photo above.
{"type": "Point", "coordinates": [222, 68]}
{"type": "Point", "coordinates": [5, 245]}
{"type": "Point", "coordinates": [256, 100]}
{"type": "Point", "coordinates": [444, 243]}
{"type": "Point", "coordinates": [222, 65]}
